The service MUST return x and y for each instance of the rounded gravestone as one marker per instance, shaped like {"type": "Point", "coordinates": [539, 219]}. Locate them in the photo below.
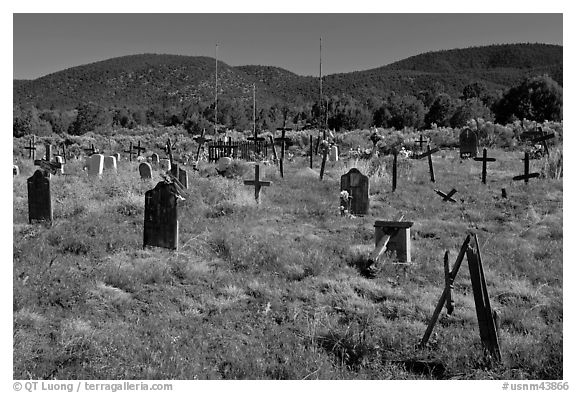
{"type": "Point", "coordinates": [95, 164]}
{"type": "Point", "coordinates": [223, 164]}
{"type": "Point", "coordinates": [155, 159]}
{"type": "Point", "coordinates": [110, 163]}
{"type": "Point", "coordinates": [145, 170]}
{"type": "Point", "coordinates": [165, 165]}
{"type": "Point", "coordinates": [334, 153]}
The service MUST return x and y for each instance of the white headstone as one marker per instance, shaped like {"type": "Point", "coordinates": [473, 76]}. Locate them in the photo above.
{"type": "Point", "coordinates": [95, 164]}
{"type": "Point", "coordinates": [110, 163]}
{"type": "Point", "coordinates": [15, 170]}
{"type": "Point", "coordinates": [117, 155]}
{"type": "Point", "coordinates": [145, 170]}
{"type": "Point", "coordinates": [223, 163]}
{"type": "Point", "coordinates": [334, 153]}
{"type": "Point", "coordinates": [165, 165]}
{"type": "Point", "coordinates": [59, 160]}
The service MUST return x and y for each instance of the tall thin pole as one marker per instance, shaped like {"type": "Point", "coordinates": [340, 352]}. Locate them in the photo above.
{"type": "Point", "coordinates": [216, 94]}
{"type": "Point", "coordinates": [320, 122]}
{"type": "Point", "coordinates": [254, 107]}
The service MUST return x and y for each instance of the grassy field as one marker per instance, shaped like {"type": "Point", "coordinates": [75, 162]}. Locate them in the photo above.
{"type": "Point", "coordinates": [276, 290]}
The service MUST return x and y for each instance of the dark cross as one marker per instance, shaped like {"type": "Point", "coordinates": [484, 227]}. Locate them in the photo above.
{"type": "Point", "coordinates": [31, 148]}
{"type": "Point", "coordinates": [504, 194]}
{"type": "Point", "coordinates": [323, 165]}
{"type": "Point", "coordinates": [130, 151]}
{"type": "Point", "coordinates": [48, 156]}
{"type": "Point", "coordinates": [91, 150]}
{"type": "Point", "coordinates": [311, 151]}
{"type": "Point", "coordinates": [429, 152]}
{"type": "Point", "coordinates": [256, 182]}
{"type": "Point", "coordinates": [484, 160]}
{"type": "Point", "coordinates": [543, 138]}
{"type": "Point", "coordinates": [394, 169]}
{"type": "Point", "coordinates": [201, 140]}
{"type": "Point", "coordinates": [138, 149]}
{"type": "Point", "coordinates": [255, 138]}
{"type": "Point", "coordinates": [282, 141]}
{"type": "Point", "coordinates": [45, 164]}
{"type": "Point", "coordinates": [527, 175]}
{"type": "Point", "coordinates": [447, 197]}
{"type": "Point", "coordinates": [421, 142]}
{"type": "Point", "coordinates": [448, 285]}
{"type": "Point", "coordinates": [317, 144]}
{"type": "Point", "coordinates": [273, 148]}
{"type": "Point", "coordinates": [430, 166]}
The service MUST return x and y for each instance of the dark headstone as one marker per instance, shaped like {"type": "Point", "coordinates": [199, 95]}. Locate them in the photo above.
{"type": "Point", "coordinates": [358, 188]}
{"type": "Point", "coordinates": [39, 198]}
{"type": "Point", "coordinates": [161, 216]}
{"type": "Point", "coordinates": [468, 143]}
{"type": "Point", "coordinates": [145, 170]}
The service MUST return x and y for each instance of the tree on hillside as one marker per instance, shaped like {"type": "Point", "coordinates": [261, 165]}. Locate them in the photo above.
{"type": "Point", "coordinates": [472, 108]}
{"type": "Point", "coordinates": [399, 112]}
{"type": "Point", "coordinates": [441, 111]}
{"type": "Point", "coordinates": [27, 121]}
{"type": "Point", "coordinates": [539, 98]}
{"type": "Point", "coordinates": [90, 117]}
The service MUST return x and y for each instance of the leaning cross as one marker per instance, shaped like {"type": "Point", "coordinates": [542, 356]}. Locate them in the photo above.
{"type": "Point", "coordinates": [91, 150]}
{"type": "Point", "coordinates": [31, 148]}
{"type": "Point", "coordinates": [201, 140]}
{"type": "Point", "coordinates": [484, 160]}
{"type": "Point", "coordinates": [447, 197]}
{"type": "Point", "coordinates": [430, 166]}
{"type": "Point", "coordinates": [543, 138]}
{"type": "Point", "coordinates": [256, 182]}
{"type": "Point", "coordinates": [527, 175]}
{"type": "Point", "coordinates": [45, 163]}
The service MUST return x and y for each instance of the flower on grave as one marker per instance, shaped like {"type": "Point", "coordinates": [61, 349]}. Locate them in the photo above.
{"type": "Point", "coordinates": [344, 195]}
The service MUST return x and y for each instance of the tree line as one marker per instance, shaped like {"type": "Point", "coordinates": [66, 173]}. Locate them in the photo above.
{"type": "Point", "coordinates": [537, 98]}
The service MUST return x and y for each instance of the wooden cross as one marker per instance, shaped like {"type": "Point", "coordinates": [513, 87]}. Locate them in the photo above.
{"type": "Point", "coordinates": [484, 160]}
{"type": "Point", "coordinates": [447, 197]}
{"type": "Point", "coordinates": [91, 150]}
{"type": "Point", "coordinates": [201, 140]}
{"type": "Point", "coordinates": [256, 182]}
{"type": "Point", "coordinates": [317, 144]}
{"type": "Point", "coordinates": [48, 156]}
{"type": "Point", "coordinates": [543, 138]}
{"type": "Point", "coordinates": [138, 149]}
{"type": "Point", "coordinates": [273, 147]}
{"type": "Point", "coordinates": [448, 285]}
{"type": "Point", "coordinates": [168, 150]}
{"type": "Point", "coordinates": [323, 164]}
{"type": "Point", "coordinates": [421, 142]}
{"type": "Point", "coordinates": [31, 148]}
{"type": "Point", "coordinates": [130, 151]}
{"type": "Point", "coordinates": [63, 154]}
{"type": "Point", "coordinates": [428, 153]}
{"type": "Point", "coordinates": [311, 142]}
{"type": "Point", "coordinates": [527, 175]}
{"type": "Point", "coordinates": [282, 141]}
{"type": "Point", "coordinates": [45, 164]}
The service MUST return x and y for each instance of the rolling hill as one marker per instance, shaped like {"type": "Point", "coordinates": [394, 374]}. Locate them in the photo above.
{"type": "Point", "coordinates": [149, 79]}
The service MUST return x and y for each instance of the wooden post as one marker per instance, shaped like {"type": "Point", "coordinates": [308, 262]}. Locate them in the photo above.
{"type": "Point", "coordinates": [484, 160]}
{"type": "Point", "coordinates": [317, 144]}
{"type": "Point", "coordinates": [444, 295]}
{"type": "Point", "coordinates": [130, 152]}
{"type": "Point", "coordinates": [311, 142]}
{"type": "Point", "coordinates": [323, 165]}
{"type": "Point", "coordinates": [394, 170]}
{"type": "Point", "coordinates": [430, 166]}
{"type": "Point", "coordinates": [449, 285]}
{"type": "Point", "coordinates": [273, 148]}
{"type": "Point", "coordinates": [48, 156]}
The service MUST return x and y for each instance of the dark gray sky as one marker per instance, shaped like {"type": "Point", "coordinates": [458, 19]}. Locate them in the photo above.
{"type": "Point", "coordinates": [46, 43]}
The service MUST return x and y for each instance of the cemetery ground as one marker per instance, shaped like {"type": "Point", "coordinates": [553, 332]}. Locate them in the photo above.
{"type": "Point", "coordinates": [279, 290]}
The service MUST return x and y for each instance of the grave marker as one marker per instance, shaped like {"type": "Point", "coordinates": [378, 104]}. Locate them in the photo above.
{"type": "Point", "coordinates": [543, 138]}
{"type": "Point", "coordinates": [358, 187]}
{"type": "Point", "coordinates": [334, 153]}
{"type": "Point", "coordinates": [46, 164]}
{"type": "Point", "coordinates": [59, 160]}
{"type": "Point", "coordinates": [110, 163]}
{"type": "Point", "coordinates": [430, 165]}
{"type": "Point", "coordinates": [257, 183]}
{"type": "Point", "coordinates": [421, 142]}
{"type": "Point", "coordinates": [139, 149]}
{"type": "Point", "coordinates": [180, 174]}
{"type": "Point", "coordinates": [223, 164]}
{"type": "Point", "coordinates": [394, 170]}
{"type": "Point", "coordinates": [155, 159]}
{"type": "Point", "coordinates": [447, 197]}
{"type": "Point", "coordinates": [484, 160]}
{"type": "Point", "coordinates": [527, 175]}
{"type": "Point", "coordinates": [130, 152]}
{"type": "Point", "coordinates": [282, 141]}
{"type": "Point", "coordinates": [145, 170]}
{"type": "Point", "coordinates": [32, 148]}
{"type": "Point", "coordinates": [392, 236]}
{"type": "Point", "coordinates": [15, 170]}
{"type": "Point", "coordinates": [91, 150]}
{"type": "Point", "coordinates": [161, 216]}
{"type": "Point", "coordinates": [39, 198]}
{"type": "Point", "coordinates": [201, 140]}
{"type": "Point", "coordinates": [95, 164]}
{"type": "Point", "coordinates": [468, 143]}
{"type": "Point", "coordinates": [117, 155]}
{"type": "Point", "coordinates": [165, 164]}
{"type": "Point", "coordinates": [311, 146]}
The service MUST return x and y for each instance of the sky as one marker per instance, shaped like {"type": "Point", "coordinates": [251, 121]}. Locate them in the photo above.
{"type": "Point", "coordinates": [46, 43]}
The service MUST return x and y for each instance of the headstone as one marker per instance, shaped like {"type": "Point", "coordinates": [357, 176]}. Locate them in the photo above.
{"type": "Point", "coordinates": [468, 143]}
{"type": "Point", "coordinates": [399, 232]}
{"type": "Point", "coordinates": [39, 199]}
{"type": "Point", "coordinates": [334, 153]}
{"type": "Point", "coordinates": [165, 164]}
{"type": "Point", "coordinates": [358, 188]}
{"type": "Point", "coordinates": [161, 216]}
{"type": "Point", "coordinates": [223, 164]}
{"type": "Point", "coordinates": [180, 174]}
{"type": "Point", "coordinates": [95, 164]}
{"type": "Point", "coordinates": [110, 163]}
{"type": "Point", "coordinates": [145, 170]}
{"type": "Point", "coordinates": [15, 170]}
{"type": "Point", "coordinates": [155, 159]}
{"type": "Point", "coordinates": [117, 155]}
{"type": "Point", "coordinates": [59, 160]}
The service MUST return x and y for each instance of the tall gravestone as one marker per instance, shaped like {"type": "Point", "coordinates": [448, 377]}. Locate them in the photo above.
{"type": "Point", "coordinates": [155, 158]}
{"type": "Point", "coordinates": [39, 197]}
{"type": "Point", "coordinates": [95, 164]}
{"type": "Point", "coordinates": [145, 170]}
{"type": "Point", "coordinates": [468, 143]}
{"type": "Point", "coordinates": [161, 216]}
{"type": "Point", "coordinates": [358, 188]}
{"type": "Point", "coordinates": [165, 165]}
{"type": "Point", "coordinates": [110, 163]}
